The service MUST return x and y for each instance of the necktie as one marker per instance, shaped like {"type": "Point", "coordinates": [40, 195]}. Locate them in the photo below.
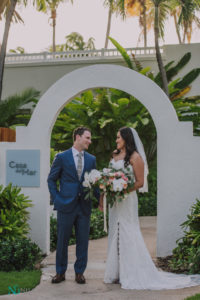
{"type": "Point", "coordinates": [79, 165]}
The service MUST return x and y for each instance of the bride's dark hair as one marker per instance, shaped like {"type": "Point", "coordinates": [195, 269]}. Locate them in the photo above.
{"type": "Point", "coordinates": [127, 136]}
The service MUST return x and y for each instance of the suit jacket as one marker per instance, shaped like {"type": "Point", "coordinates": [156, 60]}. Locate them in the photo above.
{"type": "Point", "coordinates": [71, 189]}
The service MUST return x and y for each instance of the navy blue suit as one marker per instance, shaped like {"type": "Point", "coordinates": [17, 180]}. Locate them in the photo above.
{"type": "Point", "coordinates": [72, 208]}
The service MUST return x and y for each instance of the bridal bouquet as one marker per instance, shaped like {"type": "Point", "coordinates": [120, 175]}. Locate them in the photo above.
{"type": "Point", "coordinates": [112, 182]}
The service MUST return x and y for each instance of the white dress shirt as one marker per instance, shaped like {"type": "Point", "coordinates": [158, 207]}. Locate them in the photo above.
{"type": "Point", "coordinates": [75, 156]}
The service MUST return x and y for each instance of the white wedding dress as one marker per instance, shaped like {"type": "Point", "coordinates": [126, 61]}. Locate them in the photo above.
{"type": "Point", "coordinates": [128, 259]}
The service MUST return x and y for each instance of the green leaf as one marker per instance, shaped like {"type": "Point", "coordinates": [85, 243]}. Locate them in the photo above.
{"type": "Point", "coordinates": [103, 122]}
{"type": "Point", "coordinates": [188, 79]}
{"type": "Point", "coordinates": [123, 53]}
{"type": "Point", "coordinates": [123, 101]}
{"type": "Point", "coordinates": [144, 71]}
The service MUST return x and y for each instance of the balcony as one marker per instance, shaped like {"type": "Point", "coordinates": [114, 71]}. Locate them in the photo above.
{"type": "Point", "coordinates": [68, 56]}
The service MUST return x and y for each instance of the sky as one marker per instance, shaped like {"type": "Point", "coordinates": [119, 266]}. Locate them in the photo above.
{"type": "Point", "coordinates": [87, 17]}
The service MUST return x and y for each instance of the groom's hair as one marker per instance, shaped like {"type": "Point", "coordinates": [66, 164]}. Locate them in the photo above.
{"type": "Point", "coordinates": [80, 131]}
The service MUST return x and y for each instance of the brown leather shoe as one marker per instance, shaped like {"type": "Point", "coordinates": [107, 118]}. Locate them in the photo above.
{"type": "Point", "coordinates": [79, 278]}
{"type": "Point", "coordinates": [58, 278]}
{"type": "Point", "coordinates": [116, 281]}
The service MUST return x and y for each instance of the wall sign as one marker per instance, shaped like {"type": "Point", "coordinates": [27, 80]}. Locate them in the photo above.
{"type": "Point", "coordinates": [23, 167]}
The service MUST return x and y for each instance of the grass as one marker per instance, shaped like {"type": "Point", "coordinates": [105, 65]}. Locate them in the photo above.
{"type": "Point", "coordinates": [195, 297]}
{"type": "Point", "coordinates": [18, 282]}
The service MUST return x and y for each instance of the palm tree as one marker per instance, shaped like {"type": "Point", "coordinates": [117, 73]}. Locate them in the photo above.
{"type": "Point", "coordinates": [175, 13]}
{"type": "Point", "coordinates": [188, 17]}
{"type": "Point", "coordinates": [161, 11]}
{"type": "Point", "coordinates": [50, 5]}
{"type": "Point", "coordinates": [12, 106]}
{"type": "Point", "coordinates": [75, 41]}
{"type": "Point", "coordinates": [185, 17]}
{"type": "Point", "coordinates": [139, 8]}
{"type": "Point", "coordinates": [7, 7]}
{"type": "Point", "coordinates": [117, 7]}
{"type": "Point", "coordinates": [18, 50]}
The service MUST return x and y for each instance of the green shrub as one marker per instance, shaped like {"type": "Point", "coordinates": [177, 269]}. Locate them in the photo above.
{"type": "Point", "coordinates": [13, 212]}
{"type": "Point", "coordinates": [96, 229]}
{"type": "Point", "coordinates": [195, 297]}
{"type": "Point", "coordinates": [53, 233]}
{"type": "Point", "coordinates": [186, 256]}
{"type": "Point", "coordinates": [96, 225]}
{"type": "Point", "coordinates": [18, 254]}
{"type": "Point", "coordinates": [147, 202]}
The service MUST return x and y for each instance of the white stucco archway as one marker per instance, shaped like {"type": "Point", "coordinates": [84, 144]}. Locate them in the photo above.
{"type": "Point", "coordinates": [177, 149]}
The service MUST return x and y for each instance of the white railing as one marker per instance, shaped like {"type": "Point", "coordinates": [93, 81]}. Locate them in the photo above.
{"type": "Point", "coordinates": [78, 55]}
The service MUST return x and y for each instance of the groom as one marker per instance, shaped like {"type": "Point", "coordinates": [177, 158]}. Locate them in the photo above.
{"type": "Point", "coordinates": [69, 168]}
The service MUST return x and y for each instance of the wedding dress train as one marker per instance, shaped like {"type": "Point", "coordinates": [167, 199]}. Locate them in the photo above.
{"type": "Point", "coordinates": [128, 259]}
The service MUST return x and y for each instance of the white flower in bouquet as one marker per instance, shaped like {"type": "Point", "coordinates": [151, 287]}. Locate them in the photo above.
{"type": "Point", "coordinates": [119, 185]}
{"type": "Point", "coordinates": [111, 174]}
{"type": "Point", "coordinates": [86, 182]}
{"type": "Point", "coordinates": [106, 170]}
{"type": "Point", "coordinates": [94, 176]}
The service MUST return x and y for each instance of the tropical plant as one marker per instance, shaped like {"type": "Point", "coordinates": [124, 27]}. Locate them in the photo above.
{"type": "Point", "coordinates": [18, 254]}
{"type": "Point", "coordinates": [75, 41]}
{"type": "Point", "coordinates": [7, 7]}
{"type": "Point", "coordinates": [117, 7]}
{"type": "Point", "coordinates": [175, 13]}
{"type": "Point", "coordinates": [186, 256]}
{"type": "Point", "coordinates": [187, 108]}
{"type": "Point", "coordinates": [50, 5]}
{"type": "Point", "coordinates": [104, 111]}
{"type": "Point", "coordinates": [13, 213]}
{"type": "Point", "coordinates": [11, 112]}
{"type": "Point", "coordinates": [18, 50]}
{"type": "Point", "coordinates": [187, 12]}
{"type": "Point", "coordinates": [161, 10]}
{"type": "Point", "coordinates": [143, 10]}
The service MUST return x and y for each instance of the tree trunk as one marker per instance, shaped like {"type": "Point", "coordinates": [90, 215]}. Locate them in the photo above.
{"type": "Point", "coordinates": [145, 24]}
{"type": "Point", "coordinates": [53, 16]}
{"type": "Point", "coordinates": [158, 54]}
{"type": "Point", "coordinates": [177, 29]}
{"type": "Point", "coordinates": [5, 40]}
{"type": "Point", "coordinates": [108, 26]}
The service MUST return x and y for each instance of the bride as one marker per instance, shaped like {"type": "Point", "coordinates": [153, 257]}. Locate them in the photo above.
{"type": "Point", "coordinates": [128, 261]}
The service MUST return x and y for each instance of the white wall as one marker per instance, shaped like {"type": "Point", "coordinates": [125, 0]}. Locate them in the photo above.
{"type": "Point", "coordinates": [41, 75]}
{"type": "Point", "coordinates": [178, 151]}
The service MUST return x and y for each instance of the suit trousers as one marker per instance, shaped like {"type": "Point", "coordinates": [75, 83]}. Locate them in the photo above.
{"type": "Point", "coordinates": [65, 223]}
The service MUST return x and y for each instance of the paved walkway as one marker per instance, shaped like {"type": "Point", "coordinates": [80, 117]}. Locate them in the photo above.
{"type": "Point", "coordinates": [95, 288]}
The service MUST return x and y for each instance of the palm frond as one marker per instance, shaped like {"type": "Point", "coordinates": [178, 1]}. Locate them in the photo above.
{"type": "Point", "coordinates": [9, 106]}
{"type": "Point", "coordinates": [123, 53]}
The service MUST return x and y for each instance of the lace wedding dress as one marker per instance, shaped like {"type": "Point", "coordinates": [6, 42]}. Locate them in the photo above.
{"type": "Point", "coordinates": [128, 259]}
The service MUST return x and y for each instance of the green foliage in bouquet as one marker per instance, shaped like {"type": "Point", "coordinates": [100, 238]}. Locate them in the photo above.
{"type": "Point", "coordinates": [186, 256]}
{"type": "Point", "coordinates": [13, 212]}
